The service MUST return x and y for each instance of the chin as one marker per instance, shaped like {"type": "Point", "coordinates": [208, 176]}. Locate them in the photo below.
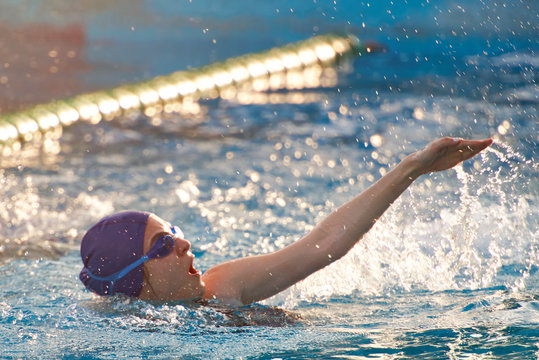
{"type": "Point", "coordinates": [197, 292]}
{"type": "Point", "coordinates": [201, 289]}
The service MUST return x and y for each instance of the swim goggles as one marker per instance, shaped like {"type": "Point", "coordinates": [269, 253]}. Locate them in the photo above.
{"type": "Point", "coordinates": [161, 248]}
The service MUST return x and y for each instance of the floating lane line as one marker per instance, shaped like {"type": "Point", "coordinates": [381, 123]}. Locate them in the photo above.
{"type": "Point", "coordinates": [291, 66]}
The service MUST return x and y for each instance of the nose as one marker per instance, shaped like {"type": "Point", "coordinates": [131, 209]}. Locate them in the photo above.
{"type": "Point", "coordinates": [182, 246]}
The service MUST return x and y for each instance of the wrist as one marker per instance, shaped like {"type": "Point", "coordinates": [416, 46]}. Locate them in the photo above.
{"type": "Point", "coordinates": [412, 166]}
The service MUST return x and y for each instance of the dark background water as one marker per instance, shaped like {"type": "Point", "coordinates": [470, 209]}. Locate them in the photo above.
{"type": "Point", "coordinates": [100, 44]}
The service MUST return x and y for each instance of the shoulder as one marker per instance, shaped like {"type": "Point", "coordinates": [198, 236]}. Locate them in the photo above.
{"type": "Point", "coordinates": [221, 286]}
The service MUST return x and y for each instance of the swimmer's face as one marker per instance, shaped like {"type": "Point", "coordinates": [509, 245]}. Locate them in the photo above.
{"type": "Point", "coordinates": [172, 277]}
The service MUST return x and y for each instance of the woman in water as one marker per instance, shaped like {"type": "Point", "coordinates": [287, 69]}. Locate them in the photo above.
{"type": "Point", "coordinates": [141, 255]}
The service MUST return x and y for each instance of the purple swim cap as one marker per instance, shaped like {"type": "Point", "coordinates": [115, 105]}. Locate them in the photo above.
{"type": "Point", "coordinates": [109, 246]}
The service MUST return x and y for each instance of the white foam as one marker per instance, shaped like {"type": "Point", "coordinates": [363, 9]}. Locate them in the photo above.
{"type": "Point", "coordinates": [417, 245]}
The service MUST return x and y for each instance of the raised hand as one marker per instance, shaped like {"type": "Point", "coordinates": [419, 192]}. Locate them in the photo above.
{"type": "Point", "coordinates": [444, 153]}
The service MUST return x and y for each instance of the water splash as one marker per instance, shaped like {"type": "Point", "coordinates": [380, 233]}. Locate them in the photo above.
{"type": "Point", "coordinates": [35, 223]}
{"type": "Point", "coordinates": [181, 318]}
{"type": "Point", "coordinates": [471, 234]}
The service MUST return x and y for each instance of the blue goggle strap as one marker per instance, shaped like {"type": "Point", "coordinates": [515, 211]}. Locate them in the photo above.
{"type": "Point", "coordinates": [177, 231]}
{"type": "Point", "coordinates": [162, 247]}
{"type": "Point", "coordinates": [120, 274]}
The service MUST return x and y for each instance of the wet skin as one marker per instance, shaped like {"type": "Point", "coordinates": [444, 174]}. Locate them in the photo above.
{"type": "Point", "coordinates": [172, 277]}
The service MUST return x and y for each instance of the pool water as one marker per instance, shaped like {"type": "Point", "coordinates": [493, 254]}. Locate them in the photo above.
{"type": "Point", "coordinates": [450, 271]}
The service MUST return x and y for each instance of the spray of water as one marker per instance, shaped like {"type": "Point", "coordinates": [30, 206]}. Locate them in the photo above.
{"type": "Point", "coordinates": [478, 232]}
{"type": "Point", "coordinates": [40, 221]}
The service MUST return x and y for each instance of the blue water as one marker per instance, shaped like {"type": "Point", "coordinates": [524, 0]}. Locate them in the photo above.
{"type": "Point", "coordinates": [450, 271]}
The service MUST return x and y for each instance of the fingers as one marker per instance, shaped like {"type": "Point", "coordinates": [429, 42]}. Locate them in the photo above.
{"type": "Point", "coordinates": [476, 144]}
{"type": "Point", "coordinates": [445, 153]}
{"type": "Point", "coordinates": [464, 144]}
{"type": "Point", "coordinates": [470, 148]}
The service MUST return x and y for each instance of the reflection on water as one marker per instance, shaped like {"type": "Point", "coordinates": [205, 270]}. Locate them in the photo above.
{"type": "Point", "coordinates": [293, 67]}
{"type": "Point", "coordinates": [36, 225]}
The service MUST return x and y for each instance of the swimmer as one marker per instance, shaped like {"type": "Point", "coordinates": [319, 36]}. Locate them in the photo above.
{"type": "Point", "coordinates": [141, 255]}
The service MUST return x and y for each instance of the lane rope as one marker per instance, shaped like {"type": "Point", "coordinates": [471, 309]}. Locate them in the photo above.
{"type": "Point", "coordinates": [269, 70]}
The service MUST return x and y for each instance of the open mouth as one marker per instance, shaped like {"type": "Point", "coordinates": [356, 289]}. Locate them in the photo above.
{"type": "Point", "coordinates": [192, 270]}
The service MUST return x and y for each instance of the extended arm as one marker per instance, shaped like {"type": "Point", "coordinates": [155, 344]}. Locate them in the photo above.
{"type": "Point", "coordinates": [255, 278]}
